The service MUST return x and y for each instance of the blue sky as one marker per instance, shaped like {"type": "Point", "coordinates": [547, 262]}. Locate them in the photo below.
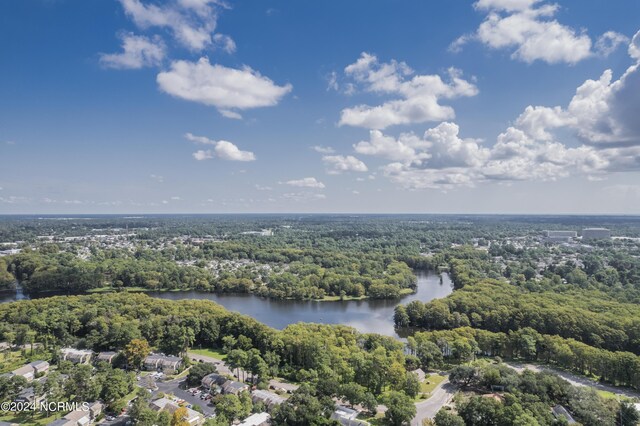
{"type": "Point", "coordinates": [493, 106]}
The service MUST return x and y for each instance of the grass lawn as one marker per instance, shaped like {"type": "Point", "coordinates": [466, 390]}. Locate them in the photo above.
{"type": "Point", "coordinates": [377, 420]}
{"type": "Point", "coordinates": [27, 418]}
{"type": "Point", "coordinates": [182, 374]}
{"type": "Point", "coordinates": [611, 395]}
{"type": "Point", "coordinates": [429, 385]}
{"type": "Point", "coordinates": [10, 360]}
{"type": "Point", "coordinates": [213, 353]}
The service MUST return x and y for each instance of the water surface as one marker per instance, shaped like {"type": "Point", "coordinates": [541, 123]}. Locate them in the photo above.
{"type": "Point", "coordinates": [367, 316]}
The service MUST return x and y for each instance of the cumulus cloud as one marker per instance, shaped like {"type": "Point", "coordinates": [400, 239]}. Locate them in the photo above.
{"type": "Point", "coordinates": [308, 182]}
{"type": "Point", "coordinates": [227, 89]}
{"type": "Point", "coordinates": [337, 164]}
{"type": "Point", "coordinates": [417, 97]}
{"type": "Point", "coordinates": [443, 160]}
{"type": "Point", "coordinates": [401, 149]}
{"type": "Point", "coordinates": [222, 149]}
{"type": "Point", "coordinates": [529, 30]}
{"type": "Point", "coordinates": [137, 52]}
{"type": "Point", "coordinates": [603, 112]}
{"type": "Point", "coordinates": [191, 22]}
{"type": "Point", "coordinates": [603, 116]}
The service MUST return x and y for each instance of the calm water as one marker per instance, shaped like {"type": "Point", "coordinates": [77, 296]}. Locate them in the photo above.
{"type": "Point", "coordinates": [367, 316]}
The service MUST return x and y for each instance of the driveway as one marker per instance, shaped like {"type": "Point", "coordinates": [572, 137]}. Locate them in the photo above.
{"type": "Point", "coordinates": [427, 409]}
{"type": "Point", "coordinates": [176, 387]}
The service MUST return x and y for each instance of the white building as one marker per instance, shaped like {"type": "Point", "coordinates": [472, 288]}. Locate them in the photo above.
{"type": "Point", "coordinates": [257, 419]}
{"type": "Point", "coordinates": [596, 234]}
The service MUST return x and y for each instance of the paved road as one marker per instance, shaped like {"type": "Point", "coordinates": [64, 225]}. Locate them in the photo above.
{"type": "Point", "coordinates": [575, 379]}
{"type": "Point", "coordinates": [177, 387]}
{"type": "Point", "coordinates": [427, 409]}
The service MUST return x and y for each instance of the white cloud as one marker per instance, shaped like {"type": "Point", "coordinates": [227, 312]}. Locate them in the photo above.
{"type": "Point", "coordinates": [308, 182]}
{"type": "Point", "coordinates": [603, 112]}
{"type": "Point", "coordinates": [224, 42]}
{"type": "Point", "coordinates": [222, 149]}
{"type": "Point", "coordinates": [323, 149]}
{"type": "Point", "coordinates": [337, 164]}
{"type": "Point", "coordinates": [417, 96]}
{"type": "Point", "coordinates": [263, 188]}
{"type": "Point", "coordinates": [610, 41]}
{"type": "Point", "coordinates": [634, 47]}
{"type": "Point", "coordinates": [138, 52]}
{"type": "Point", "coordinates": [228, 151]}
{"type": "Point", "coordinates": [332, 81]}
{"type": "Point", "coordinates": [14, 199]}
{"type": "Point", "coordinates": [401, 149]}
{"type": "Point", "coordinates": [202, 154]}
{"type": "Point", "coordinates": [157, 178]}
{"type": "Point", "coordinates": [527, 28]}
{"type": "Point", "coordinates": [227, 89]}
{"type": "Point", "coordinates": [444, 160]}
{"type": "Point", "coordinates": [176, 198]}
{"type": "Point", "coordinates": [191, 23]}
{"type": "Point", "coordinates": [303, 196]}
{"type": "Point", "coordinates": [507, 5]}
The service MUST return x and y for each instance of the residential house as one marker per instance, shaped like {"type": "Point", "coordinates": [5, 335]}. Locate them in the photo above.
{"type": "Point", "coordinates": [347, 416]}
{"type": "Point", "coordinates": [76, 356]}
{"type": "Point", "coordinates": [25, 371]}
{"type": "Point", "coordinates": [257, 419]}
{"type": "Point", "coordinates": [28, 395]}
{"type": "Point", "coordinates": [213, 382]}
{"type": "Point", "coordinates": [269, 399]}
{"type": "Point", "coordinates": [106, 356]}
{"type": "Point", "coordinates": [40, 367]}
{"type": "Point", "coordinates": [159, 362]}
{"type": "Point", "coordinates": [164, 404]}
{"type": "Point", "coordinates": [420, 374]}
{"type": "Point", "coordinates": [231, 386]}
{"type": "Point", "coordinates": [80, 417]}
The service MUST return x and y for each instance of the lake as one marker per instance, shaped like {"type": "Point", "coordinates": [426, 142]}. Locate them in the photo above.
{"type": "Point", "coordinates": [367, 316]}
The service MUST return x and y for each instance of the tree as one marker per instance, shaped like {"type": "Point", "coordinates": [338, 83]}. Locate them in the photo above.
{"type": "Point", "coordinates": [628, 415]}
{"type": "Point", "coordinates": [136, 351]}
{"type": "Point", "coordinates": [445, 418]}
{"type": "Point", "coordinates": [237, 359]}
{"type": "Point", "coordinates": [303, 408]}
{"type": "Point", "coordinates": [117, 384]}
{"type": "Point", "coordinates": [400, 316]}
{"type": "Point", "coordinates": [463, 375]}
{"type": "Point", "coordinates": [228, 406]}
{"type": "Point", "coordinates": [411, 385]}
{"type": "Point", "coordinates": [180, 417]}
{"type": "Point", "coordinates": [400, 408]}
{"type": "Point", "coordinates": [198, 371]}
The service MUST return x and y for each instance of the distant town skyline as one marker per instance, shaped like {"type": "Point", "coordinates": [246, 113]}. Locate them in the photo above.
{"type": "Point", "coordinates": [212, 106]}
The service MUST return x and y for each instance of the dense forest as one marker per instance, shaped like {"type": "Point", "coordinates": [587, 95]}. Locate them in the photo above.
{"type": "Point", "coordinates": [583, 319]}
